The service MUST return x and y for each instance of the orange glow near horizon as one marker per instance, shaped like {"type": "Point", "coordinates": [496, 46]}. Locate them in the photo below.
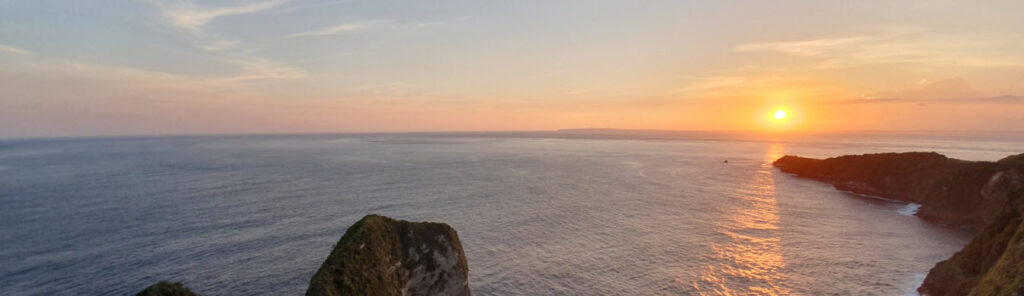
{"type": "Point", "coordinates": [224, 72]}
{"type": "Point", "coordinates": [783, 114]}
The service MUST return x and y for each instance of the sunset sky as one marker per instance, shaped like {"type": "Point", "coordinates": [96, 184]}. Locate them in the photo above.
{"type": "Point", "coordinates": [82, 68]}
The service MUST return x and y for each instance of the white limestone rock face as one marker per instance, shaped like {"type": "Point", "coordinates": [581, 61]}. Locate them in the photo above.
{"type": "Point", "coordinates": [439, 272]}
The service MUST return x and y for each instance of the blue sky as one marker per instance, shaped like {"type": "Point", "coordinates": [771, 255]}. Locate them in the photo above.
{"type": "Point", "coordinates": [167, 67]}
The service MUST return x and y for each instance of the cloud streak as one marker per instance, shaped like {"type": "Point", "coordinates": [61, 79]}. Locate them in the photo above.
{"type": "Point", "coordinates": [993, 100]}
{"type": "Point", "coordinates": [894, 47]}
{"type": "Point", "coordinates": [7, 49]}
{"type": "Point", "coordinates": [808, 48]}
{"type": "Point", "coordinates": [347, 28]}
{"type": "Point", "coordinates": [194, 19]}
{"type": "Point", "coordinates": [256, 68]}
{"type": "Point", "coordinates": [358, 27]}
{"type": "Point", "coordinates": [428, 24]}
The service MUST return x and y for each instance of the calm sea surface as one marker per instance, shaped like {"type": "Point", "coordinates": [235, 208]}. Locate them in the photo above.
{"type": "Point", "coordinates": [546, 213]}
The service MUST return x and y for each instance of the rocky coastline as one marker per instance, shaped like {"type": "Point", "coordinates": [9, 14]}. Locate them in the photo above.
{"type": "Point", "coordinates": [980, 194]}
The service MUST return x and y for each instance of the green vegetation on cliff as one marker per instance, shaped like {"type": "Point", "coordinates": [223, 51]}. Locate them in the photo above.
{"type": "Point", "coordinates": [993, 262]}
{"type": "Point", "coordinates": [383, 256]}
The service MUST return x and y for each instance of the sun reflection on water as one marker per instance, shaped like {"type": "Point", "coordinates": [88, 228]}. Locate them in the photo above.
{"type": "Point", "coordinates": [747, 257]}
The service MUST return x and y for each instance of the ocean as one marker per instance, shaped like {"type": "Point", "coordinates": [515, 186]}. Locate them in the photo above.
{"type": "Point", "coordinates": [586, 212]}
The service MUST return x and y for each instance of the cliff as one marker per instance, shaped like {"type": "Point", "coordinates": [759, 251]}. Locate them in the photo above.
{"type": "Point", "coordinates": [993, 262]}
{"type": "Point", "coordinates": [947, 189]}
{"type": "Point", "coordinates": [381, 256]}
{"type": "Point", "coordinates": [950, 190]}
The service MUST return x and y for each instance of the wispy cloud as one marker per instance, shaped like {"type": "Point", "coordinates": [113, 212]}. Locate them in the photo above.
{"type": "Point", "coordinates": [714, 82]}
{"type": "Point", "coordinates": [256, 68]}
{"type": "Point", "coordinates": [956, 87]}
{"type": "Point", "coordinates": [427, 24]}
{"type": "Point", "coordinates": [896, 46]}
{"type": "Point", "coordinates": [755, 85]}
{"type": "Point", "coordinates": [7, 49]}
{"type": "Point", "coordinates": [358, 27]}
{"type": "Point", "coordinates": [1008, 99]}
{"type": "Point", "coordinates": [348, 28]}
{"type": "Point", "coordinates": [193, 19]}
{"type": "Point", "coordinates": [815, 47]}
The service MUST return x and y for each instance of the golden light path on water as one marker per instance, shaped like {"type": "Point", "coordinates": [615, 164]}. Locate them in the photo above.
{"type": "Point", "coordinates": [746, 255]}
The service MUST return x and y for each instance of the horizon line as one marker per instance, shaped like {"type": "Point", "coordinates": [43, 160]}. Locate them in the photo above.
{"type": "Point", "coordinates": [425, 132]}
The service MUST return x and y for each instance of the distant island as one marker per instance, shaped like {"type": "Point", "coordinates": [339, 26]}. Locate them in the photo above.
{"type": "Point", "coordinates": [980, 194]}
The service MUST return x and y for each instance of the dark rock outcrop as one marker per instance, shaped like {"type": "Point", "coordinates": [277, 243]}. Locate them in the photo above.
{"type": "Point", "coordinates": [950, 190]}
{"type": "Point", "coordinates": [383, 256]}
{"type": "Point", "coordinates": [947, 189]}
{"type": "Point", "coordinates": [165, 288]}
{"type": "Point", "coordinates": [993, 262]}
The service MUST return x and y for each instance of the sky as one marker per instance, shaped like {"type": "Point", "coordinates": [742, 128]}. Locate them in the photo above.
{"type": "Point", "coordinates": [95, 68]}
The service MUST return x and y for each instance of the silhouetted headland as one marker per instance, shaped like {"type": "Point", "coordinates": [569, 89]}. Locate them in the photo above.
{"type": "Point", "coordinates": [976, 193]}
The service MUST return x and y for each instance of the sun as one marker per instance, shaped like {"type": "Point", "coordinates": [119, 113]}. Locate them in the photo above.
{"type": "Point", "coordinates": [780, 114]}
{"type": "Point", "coordinates": [780, 117]}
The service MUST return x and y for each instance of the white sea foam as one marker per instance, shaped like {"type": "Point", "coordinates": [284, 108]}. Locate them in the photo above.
{"type": "Point", "coordinates": [911, 282]}
{"type": "Point", "coordinates": [910, 209]}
